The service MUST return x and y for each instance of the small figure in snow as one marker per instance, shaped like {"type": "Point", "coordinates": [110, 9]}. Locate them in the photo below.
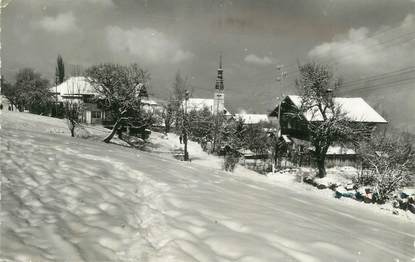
{"type": "Point", "coordinates": [180, 139]}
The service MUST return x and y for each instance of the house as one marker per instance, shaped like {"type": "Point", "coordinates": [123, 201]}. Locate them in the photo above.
{"type": "Point", "coordinates": [77, 90]}
{"type": "Point", "coordinates": [293, 132]}
{"type": "Point", "coordinates": [252, 119]}
{"type": "Point", "coordinates": [151, 105]}
{"type": "Point", "coordinates": [199, 104]}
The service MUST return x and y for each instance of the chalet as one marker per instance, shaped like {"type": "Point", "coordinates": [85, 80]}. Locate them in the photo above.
{"type": "Point", "coordinates": [293, 130]}
{"type": "Point", "coordinates": [77, 90]}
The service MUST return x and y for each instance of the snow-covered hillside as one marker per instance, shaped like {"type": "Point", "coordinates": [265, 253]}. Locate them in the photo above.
{"type": "Point", "coordinates": [73, 199]}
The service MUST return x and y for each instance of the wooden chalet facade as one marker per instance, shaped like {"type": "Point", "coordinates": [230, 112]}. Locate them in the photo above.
{"type": "Point", "coordinates": [294, 133]}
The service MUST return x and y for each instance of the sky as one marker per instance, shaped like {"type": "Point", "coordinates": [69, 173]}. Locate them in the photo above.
{"type": "Point", "coordinates": [357, 38]}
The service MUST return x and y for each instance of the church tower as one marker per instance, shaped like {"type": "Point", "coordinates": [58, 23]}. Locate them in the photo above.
{"type": "Point", "coordinates": [219, 96]}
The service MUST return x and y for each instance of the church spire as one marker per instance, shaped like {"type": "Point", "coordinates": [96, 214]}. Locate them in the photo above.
{"type": "Point", "coordinates": [219, 79]}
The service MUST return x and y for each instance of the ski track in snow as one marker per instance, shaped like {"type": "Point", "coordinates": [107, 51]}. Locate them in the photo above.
{"type": "Point", "coordinates": [66, 199]}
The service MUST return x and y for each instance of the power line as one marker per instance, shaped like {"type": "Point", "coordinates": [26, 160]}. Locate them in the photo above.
{"type": "Point", "coordinates": [389, 79]}
{"type": "Point", "coordinates": [381, 32]}
{"type": "Point", "coordinates": [297, 71]}
{"type": "Point", "coordinates": [354, 83]}
{"type": "Point", "coordinates": [381, 76]}
{"type": "Point", "coordinates": [379, 86]}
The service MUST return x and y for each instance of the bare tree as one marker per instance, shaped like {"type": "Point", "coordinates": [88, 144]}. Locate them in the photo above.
{"type": "Point", "coordinates": [71, 111]}
{"type": "Point", "coordinates": [119, 88]}
{"type": "Point", "coordinates": [179, 88]}
{"type": "Point", "coordinates": [167, 115]}
{"type": "Point", "coordinates": [326, 123]}
{"type": "Point", "coordinates": [73, 103]}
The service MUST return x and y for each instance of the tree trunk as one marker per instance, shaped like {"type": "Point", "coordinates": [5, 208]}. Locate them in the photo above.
{"type": "Point", "coordinates": [166, 127]}
{"type": "Point", "coordinates": [71, 125]}
{"type": "Point", "coordinates": [113, 131]}
{"type": "Point", "coordinates": [186, 154]}
{"type": "Point", "coordinates": [321, 166]}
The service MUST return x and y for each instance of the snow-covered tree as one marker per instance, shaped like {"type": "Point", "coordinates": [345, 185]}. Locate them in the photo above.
{"type": "Point", "coordinates": [256, 139]}
{"type": "Point", "coordinates": [119, 87]}
{"type": "Point", "coordinates": [200, 125]}
{"type": "Point", "coordinates": [167, 116]}
{"type": "Point", "coordinates": [316, 86]}
{"type": "Point", "coordinates": [30, 91]}
{"type": "Point", "coordinates": [179, 87]}
{"type": "Point", "coordinates": [9, 91]}
{"type": "Point", "coordinates": [389, 163]}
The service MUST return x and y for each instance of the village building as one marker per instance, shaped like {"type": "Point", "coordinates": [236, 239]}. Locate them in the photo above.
{"type": "Point", "coordinates": [199, 104]}
{"type": "Point", "coordinates": [79, 91]}
{"type": "Point", "coordinates": [293, 132]}
{"type": "Point", "coordinates": [252, 119]}
{"type": "Point", "coordinates": [152, 105]}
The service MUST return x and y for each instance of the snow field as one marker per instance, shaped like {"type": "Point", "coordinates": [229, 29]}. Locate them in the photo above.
{"type": "Point", "coordinates": [79, 200]}
{"type": "Point", "coordinates": [87, 215]}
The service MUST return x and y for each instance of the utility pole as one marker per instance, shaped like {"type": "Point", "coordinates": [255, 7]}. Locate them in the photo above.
{"type": "Point", "coordinates": [218, 104]}
{"type": "Point", "coordinates": [185, 126]}
{"type": "Point", "coordinates": [281, 75]}
{"type": "Point", "coordinates": [215, 135]}
{"type": "Point", "coordinates": [56, 96]}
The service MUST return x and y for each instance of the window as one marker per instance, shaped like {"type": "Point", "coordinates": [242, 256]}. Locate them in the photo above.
{"type": "Point", "coordinates": [96, 114]}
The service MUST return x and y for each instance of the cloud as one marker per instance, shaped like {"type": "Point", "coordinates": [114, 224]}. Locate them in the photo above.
{"type": "Point", "coordinates": [256, 60]}
{"type": "Point", "coordinates": [378, 51]}
{"type": "Point", "coordinates": [62, 23]}
{"type": "Point", "coordinates": [148, 44]}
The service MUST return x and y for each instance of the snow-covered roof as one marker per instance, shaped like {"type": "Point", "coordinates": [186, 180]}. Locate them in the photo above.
{"type": "Point", "coordinates": [198, 104]}
{"type": "Point", "coordinates": [286, 139]}
{"type": "Point", "coordinates": [338, 150]}
{"type": "Point", "coordinates": [355, 108]}
{"type": "Point", "coordinates": [149, 102]}
{"type": "Point", "coordinates": [252, 118]}
{"type": "Point", "coordinates": [246, 152]}
{"type": "Point", "coordinates": [77, 85]}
